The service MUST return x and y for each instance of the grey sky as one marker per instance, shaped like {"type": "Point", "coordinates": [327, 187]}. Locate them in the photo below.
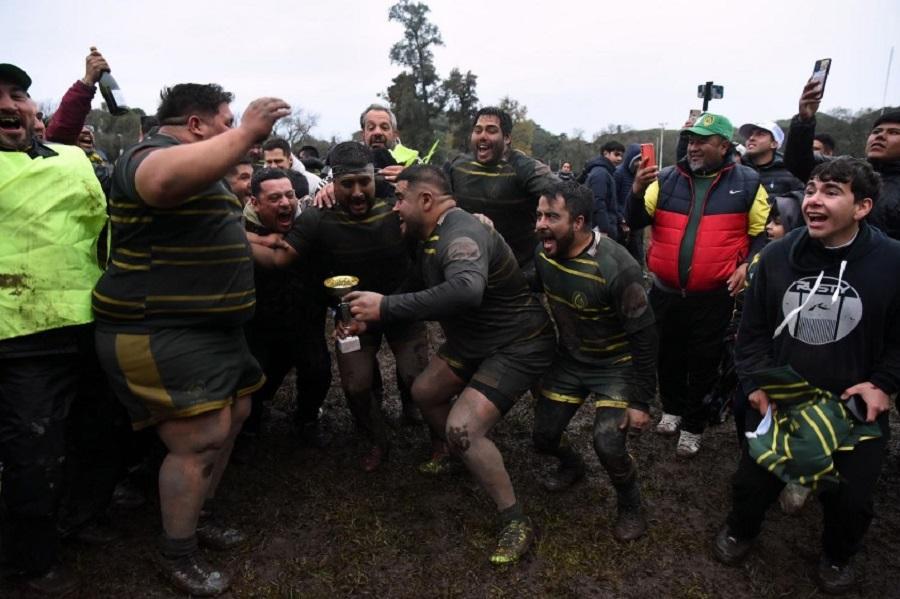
{"type": "Point", "coordinates": [575, 65]}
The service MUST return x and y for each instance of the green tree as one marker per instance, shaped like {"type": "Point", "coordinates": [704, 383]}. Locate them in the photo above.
{"type": "Point", "coordinates": [113, 134]}
{"type": "Point", "coordinates": [412, 113]}
{"type": "Point", "coordinates": [414, 51]}
{"type": "Point", "coordinates": [460, 99]}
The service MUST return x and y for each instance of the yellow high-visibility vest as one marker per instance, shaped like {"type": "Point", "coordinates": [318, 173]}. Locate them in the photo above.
{"type": "Point", "coordinates": [52, 210]}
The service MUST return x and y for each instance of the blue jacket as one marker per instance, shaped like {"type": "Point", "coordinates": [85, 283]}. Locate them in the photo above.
{"type": "Point", "coordinates": [624, 177]}
{"type": "Point", "coordinates": [605, 215]}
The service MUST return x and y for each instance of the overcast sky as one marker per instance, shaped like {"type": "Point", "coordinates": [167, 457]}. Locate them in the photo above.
{"type": "Point", "coordinates": [577, 66]}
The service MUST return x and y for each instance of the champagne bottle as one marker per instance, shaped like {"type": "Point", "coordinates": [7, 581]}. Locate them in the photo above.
{"type": "Point", "coordinates": [112, 95]}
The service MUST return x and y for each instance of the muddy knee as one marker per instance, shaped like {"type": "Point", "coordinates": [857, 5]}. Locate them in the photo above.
{"type": "Point", "coordinates": [458, 438]}
{"type": "Point", "coordinates": [609, 443]}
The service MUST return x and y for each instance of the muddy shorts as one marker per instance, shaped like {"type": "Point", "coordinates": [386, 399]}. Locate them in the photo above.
{"type": "Point", "coordinates": [568, 381]}
{"type": "Point", "coordinates": [507, 373]}
{"type": "Point", "coordinates": [177, 373]}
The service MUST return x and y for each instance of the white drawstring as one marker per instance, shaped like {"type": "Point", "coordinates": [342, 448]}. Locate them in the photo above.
{"type": "Point", "coordinates": [798, 309]}
{"type": "Point", "coordinates": [837, 290]}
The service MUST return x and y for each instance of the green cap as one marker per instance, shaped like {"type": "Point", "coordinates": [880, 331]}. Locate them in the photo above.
{"type": "Point", "coordinates": [711, 124]}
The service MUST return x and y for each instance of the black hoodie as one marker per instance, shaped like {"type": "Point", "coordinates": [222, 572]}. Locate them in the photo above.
{"type": "Point", "coordinates": [835, 340]}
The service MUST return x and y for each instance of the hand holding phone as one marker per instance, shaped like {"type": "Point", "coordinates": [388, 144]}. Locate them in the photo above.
{"type": "Point", "coordinates": [820, 74]}
{"type": "Point", "coordinates": [648, 155]}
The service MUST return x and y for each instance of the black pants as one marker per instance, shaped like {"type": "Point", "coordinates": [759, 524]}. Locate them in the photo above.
{"type": "Point", "coordinates": [847, 508]}
{"type": "Point", "coordinates": [278, 352]}
{"type": "Point", "coordinates": [691, 342]}
{"type": "Point", "coordinates": [98, 437]}
{"type": "Point", "coordinates": [550, 421]}
{"type": "Point", "coordinates": [35, 395]}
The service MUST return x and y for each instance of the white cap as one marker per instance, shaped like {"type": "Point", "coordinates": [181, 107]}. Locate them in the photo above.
{"type": "Point", "coordinates": [770, 126]}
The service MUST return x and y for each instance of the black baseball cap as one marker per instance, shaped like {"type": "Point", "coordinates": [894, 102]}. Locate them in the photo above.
{"type": "Point", "coordinates": [10, 72]}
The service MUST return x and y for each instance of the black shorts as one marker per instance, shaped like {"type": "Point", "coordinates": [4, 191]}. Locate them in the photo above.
{"type": "Point", "coordinates": [570, 382]}
{"type": "Point", "coordinates": [507, 373]}
{"type": "Point", "coordinates": [177, 373]}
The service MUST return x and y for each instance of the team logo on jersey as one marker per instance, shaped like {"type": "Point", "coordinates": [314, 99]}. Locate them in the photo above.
{"type": "Point", "coordinates": [822, 321]}
{"type": "Point", "coordinates": [579, 300]}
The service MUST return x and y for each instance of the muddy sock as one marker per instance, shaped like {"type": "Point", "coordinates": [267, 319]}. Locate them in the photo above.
{"type": "Point", "coordinates": [174, 548]}
{"type": "Point", "coordinates": [628, 495]}
{"type": "Point", "coordinates": [513, 512]}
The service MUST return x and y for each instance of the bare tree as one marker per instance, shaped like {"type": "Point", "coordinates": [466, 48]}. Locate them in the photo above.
{"type": "Point", "coordinates": [296, 127]}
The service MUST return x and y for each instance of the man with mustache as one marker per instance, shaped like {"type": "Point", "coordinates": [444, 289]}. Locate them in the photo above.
{"type": "Point", "coordinates": [51, 215]}
{"type": "Point", "coordinates": [607, 346]}
{"type": "Point", "coordinates": [707, 216]}
{"type": "Point", "coordinates": [499, 337]}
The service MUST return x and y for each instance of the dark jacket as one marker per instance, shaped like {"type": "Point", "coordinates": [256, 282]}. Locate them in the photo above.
{"type": "Point", "coordinates": [624, 177]}
{"type": "Point", "coordinates": [599, 178]}
{"type": "Point", "coordinates": [886, 213]}
{"type": "Point", "coordinates": [775, 176]}
{"type": "Point", "coordinates": [801, 160]}
{"type": "Point", "coordinates": [788, 208]}
{"type": "Point", "coordinates": [832, 342]}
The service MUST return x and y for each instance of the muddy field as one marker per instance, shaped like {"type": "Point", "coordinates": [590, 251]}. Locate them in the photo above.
{"type": "Point", "coordinates": [320, 527]}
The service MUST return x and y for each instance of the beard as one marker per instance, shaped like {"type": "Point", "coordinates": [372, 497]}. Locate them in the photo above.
{"type": "Point", "coordinates": [17, 142]}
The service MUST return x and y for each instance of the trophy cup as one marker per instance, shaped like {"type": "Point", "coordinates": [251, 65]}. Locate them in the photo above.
{"type": "Point", "coordinates": [337, 288]}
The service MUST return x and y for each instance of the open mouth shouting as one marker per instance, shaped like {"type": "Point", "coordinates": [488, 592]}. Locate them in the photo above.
{"type": "Point", "coordinates": [815, 220]}
{"type": "Point", "coordinates": [11, 123]}
{"type": "Point", "coordinates": [484, 151]}
{"type": "Point", "coordinates": [285, 219]}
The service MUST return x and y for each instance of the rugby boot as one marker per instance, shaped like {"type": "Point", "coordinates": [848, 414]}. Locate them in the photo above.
{"type": "Point", "coordinates": [514, 541]}
{"type": "Point", "coordinates": [58, 581]}
{"type": "Point", "coordinates": [214, 536]}
{"type": "Point", "coordinates": [630, 523]}
{"type": "Point", "coordinates": [567, 474]}
{"type": "Point", "coordinates": [834, 578]}
{"type": "Point", "coordinates": [439, 462]}
{"type": "Point", "coordinates": [97, 534]}
{"type": "Point", "coordinates": [729, 549]}
{"type": "Point", "coordinates": [193, 575]}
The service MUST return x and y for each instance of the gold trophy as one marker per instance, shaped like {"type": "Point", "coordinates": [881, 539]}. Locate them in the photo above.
{"type": "Point", "coordinates": [337, 288]}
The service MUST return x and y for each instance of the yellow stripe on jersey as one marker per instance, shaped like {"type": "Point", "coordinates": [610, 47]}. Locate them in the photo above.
{"type": "Point", "coordinates": [572, 271]}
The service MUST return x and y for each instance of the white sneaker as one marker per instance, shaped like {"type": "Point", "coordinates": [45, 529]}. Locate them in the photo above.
{"type": "Point", "coordinates": [668, 424]}
{"type": "Point", "coordinates": [688, 444]}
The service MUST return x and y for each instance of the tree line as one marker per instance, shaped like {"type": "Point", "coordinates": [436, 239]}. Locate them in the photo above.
{"type": "Point", "coordinates": [432, 109]}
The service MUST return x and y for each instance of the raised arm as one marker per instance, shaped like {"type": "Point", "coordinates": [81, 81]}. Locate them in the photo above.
{"type": "Point", "coordinates": [171, 175]}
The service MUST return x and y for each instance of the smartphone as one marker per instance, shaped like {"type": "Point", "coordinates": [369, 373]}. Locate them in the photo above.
{"type": "Point", "coordinates": [857, 407]}
{"type": "Point", "coordinates": [648, 155]}
{"type": "Point", "coordinates": [820, 74]}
